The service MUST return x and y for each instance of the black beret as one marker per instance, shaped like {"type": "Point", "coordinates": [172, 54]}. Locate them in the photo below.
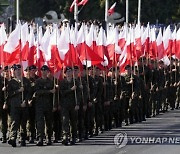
{"type": "Point", "coordinates": [6, 68]}
{"type": "Point", "coordinates": [84, 67]}
{"type": "Point", "coordinates": [16, 66]}
{"type": "Point", "coordinates": [76, 67]}
{"type": "Point", "coordinates": [44, 68]}
{"type": "Point", "coordinates": [127, 67]}
{"type": "Point", "coordinates": [32, 67]}
{"type": "Point", "coordinates": [68, 68]}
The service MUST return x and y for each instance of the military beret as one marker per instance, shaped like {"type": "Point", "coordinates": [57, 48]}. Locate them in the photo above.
{"type": "Point", "coordinates": [97, 68]}
{"type": "Point", "coordinates": [44, 68]}
{"type": "Point", "coordinates": [76, 67]}
{"type": "Point", "coordinates": [6, 68]}
{"type": "Point", "coordinates": [90, 68]}
{"type": "Point", "coordinates": [16, 66]}
{"type": "Point", "coordinates": [32, 67]}
{"type": "Point", "coordinates": [68, 69]}
{"type": "Point", "coordinates": [127, 67]}
{"type": "Point", "coordinates": [84, 67]}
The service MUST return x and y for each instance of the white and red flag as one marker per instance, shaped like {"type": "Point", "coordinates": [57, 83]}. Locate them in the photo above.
{"type": "Point", "coordinates": [83, 2]}
{"type": "Point", "coordinates": [72, 5]}
{"type": "Point", "coordinates": [3, 39]}
{"type": "Point", "coordinates": [111, 10]}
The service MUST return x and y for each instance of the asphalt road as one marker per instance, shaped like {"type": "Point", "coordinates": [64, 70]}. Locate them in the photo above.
{"type": "Point", "coordinates": [157, 135]}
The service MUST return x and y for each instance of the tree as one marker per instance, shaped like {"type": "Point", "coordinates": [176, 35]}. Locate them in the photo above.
{"type": "Point", "coordinates": [165, 11]}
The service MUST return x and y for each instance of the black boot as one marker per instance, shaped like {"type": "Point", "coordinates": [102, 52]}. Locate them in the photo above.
{"type": "Point", "coordinates": [4, 139]}
{"type": "Point", "coordinates": [73, 142]}
{"type": "Point", "coordinates": [49, 141]}
{"type": "Point", "coordinates": [65, 142]}
{"type": "Point", "coordinates": [23, 143]}
{"type": "Point", "coordinates": [12, 143]}
{"type": "Point", "coordinates": [40, 142]}
{"type": "Point", "coordinates": [31, 140]}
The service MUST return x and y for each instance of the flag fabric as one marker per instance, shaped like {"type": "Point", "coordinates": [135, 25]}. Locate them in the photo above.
{"type": "Point", "coordinates": [12, 47]}
{"type": "Point", "coordinates": [83, 2]}
{"type": "Point", "coordinates": [178, 44]}
{"type": "Point", "coordinates": [72, 5]}
{"type": "Point", "coordinates": [3, 39]}
{"type": "Point", "coordinates": [111, 10]}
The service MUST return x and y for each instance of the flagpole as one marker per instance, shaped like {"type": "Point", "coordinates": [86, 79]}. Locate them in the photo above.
{"type": "Point", "coordinates": [106, 10]}
{"type": "Point", "coordinates": [139, 12]}
{"type": "Point", "coordinates": [127, 11]}
{"type": "Point", "coordinates": [17, 11]}
{"type": "Point", "coordinates": [76, 11]}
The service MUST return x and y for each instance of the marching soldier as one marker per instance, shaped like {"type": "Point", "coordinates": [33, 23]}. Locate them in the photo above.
{"type": "Point", "coordinates": [83, 100]}
{"type": "Point", "coordinates": [44, 87]}
{"type": "Point", "coordinates": [98, 91]}
{"type": "Point", "coordinates": [31, 75]}
{"type": "Point", "coordinates": [55, 98]}
{"type": "Point", "coordinates": [18, 95]}
{"type": "Point", "coordinates": [5, 106]}
{"type": "Point", "coordinates": [89, 114]}
{"type": "Point", "coordinates": [70, 97]}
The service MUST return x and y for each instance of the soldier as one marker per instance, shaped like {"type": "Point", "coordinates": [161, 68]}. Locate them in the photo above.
{"type": "Point", "coordinates": [83, 100]}
{"type": "Point", "coordinates": [31, 75]}
{"type": "Point", "coordinates": [18, 95]}
{"type": "Point", "coordinates": [6, 106]}
{"type": "Point", "coordinates": [55, 98]}
{"type": "Point", "coordinates": [89, 114]}
{"type": "Point", "coordinates": [127, 92]}
{"type": "Point", "coordinates": [98, 91]}
{"type": "Point", "coordinates": [2, 112]}
{"type": "Point", "coordinates": [44, 87]}
{"type": "Point", "coordinates": [70, 97]}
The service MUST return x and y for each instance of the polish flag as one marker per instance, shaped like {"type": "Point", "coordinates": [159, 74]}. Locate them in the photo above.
{"type": "Point", "coordinates": [72, 57]}
{"type": "Point", "coordinates": [40, 60]}
{"type": "Point", "coordinates": [122, 36]}
{"type": "Point", "coordinates": [85, 52]}
{"type": "Point", "coordinates": [3, 39]}
{"type": "Point", "coordinates": [12, 47]}
{"type": "Point", "coordinates": [178, 44]}
{"type": "Point", "coordinates": [174, 35]}
{"type": "Point", "coordinates": [24, 41]}
{"type": "Point", "coordinates": [72, 5]}
{"type": "Point", "coordinates": [32, 48]}
{"type": "Point", "coordinates": [125, 57]}
{"type": "Point", "coordinates": [101, 47]}
{"type": "Point", "coordinates": [64, 43]}
{"type": "Point", "coordinates": [54, 62]}
{"type": "Point", "coordinates": [83, 2]}
{"type": "Point", "coordinates": [153, 45]}
{"type": "Point", "coordinates": [145, 39]}
{"type": "Point", "coordinates": [160, 47]}
{"type": "Point", "coordinates": [167, 41]}
{"type": "Point", "coordinates": [138, 43]}
{"type": "Point", "coordinates": [111, 10]}
{"type": "Point", "coordinates": [44, 45]}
